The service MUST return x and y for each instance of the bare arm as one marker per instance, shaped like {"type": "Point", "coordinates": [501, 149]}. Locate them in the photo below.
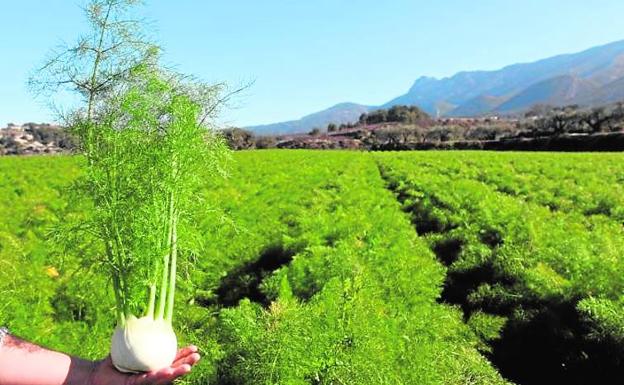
{"type": "Point", "coordinates": [24, 363]}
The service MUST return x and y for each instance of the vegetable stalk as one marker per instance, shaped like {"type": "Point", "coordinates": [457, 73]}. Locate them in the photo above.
{"type": "Point", "coordinates": [146, 160]}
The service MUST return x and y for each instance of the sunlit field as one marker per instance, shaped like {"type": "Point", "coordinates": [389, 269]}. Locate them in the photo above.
{"type": "Point", "coordinates": [353, 268]}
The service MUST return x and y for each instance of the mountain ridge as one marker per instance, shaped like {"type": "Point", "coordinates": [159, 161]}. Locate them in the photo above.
{"type": "Point", "coordinates": [338, 113]}
{"type": "Point", "coordinates": [589, 77]}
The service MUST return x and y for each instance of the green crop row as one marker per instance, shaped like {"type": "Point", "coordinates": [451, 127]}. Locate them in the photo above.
{"type": "Point", "coordinates": [308, 273]}
{"type": "Point", "coordinates": [558, 276]}
{"type": "Point", "coordinates": [591, 184]}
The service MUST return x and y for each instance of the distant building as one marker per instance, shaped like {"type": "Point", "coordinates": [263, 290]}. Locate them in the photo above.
{"type": "Point", "coordinates": [13, 126]}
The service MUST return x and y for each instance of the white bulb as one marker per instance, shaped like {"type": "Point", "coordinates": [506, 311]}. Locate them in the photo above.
{"type": "Point", "coordinates": [143, 345]}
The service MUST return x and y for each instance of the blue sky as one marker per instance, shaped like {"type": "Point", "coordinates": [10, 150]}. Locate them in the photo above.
{"type": "Point", "coordinates": [307, 55]}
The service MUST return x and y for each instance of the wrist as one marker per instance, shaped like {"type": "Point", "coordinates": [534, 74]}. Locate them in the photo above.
{"type": "Point", "coordinates": [81, 372]}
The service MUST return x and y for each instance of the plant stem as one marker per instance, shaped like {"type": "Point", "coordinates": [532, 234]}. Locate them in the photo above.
{"type": "Point", "coordinates": [163, 285]}
{"type": "Point", "coordinates": [172, 273]}
{"type": "Point", "coordinates": [152, 301]}
{"type": "Point", "coordinates": [173, 245]}
{"type": "Point", "coordinates": [119, 301]}
{"type": "Point", "coordinates": [121, 317]}
{"type": "Point", "coordinates": [92, 81]}
{"type": "Point", "coordinates": [121, 255]}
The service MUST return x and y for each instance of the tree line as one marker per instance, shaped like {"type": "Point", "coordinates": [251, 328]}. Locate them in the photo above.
{"type": "Point", "coordinates": [396, 114]}
{"type": "Point", "coordinates": [572, 119]}
{"type": "Point", "coordinates": [401, 125]}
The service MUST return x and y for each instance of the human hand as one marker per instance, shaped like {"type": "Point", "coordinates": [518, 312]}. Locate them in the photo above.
{"type": "Point", "coordinates": [104, 373]}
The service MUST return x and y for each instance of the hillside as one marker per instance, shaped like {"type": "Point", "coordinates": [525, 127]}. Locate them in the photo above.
{"type": "Point", "coordinates": [559, 90]}
{"type": "Point", "coordinates": [610, 92]}
{"type": "Point", "coordinates": [340, 113]}
{"type": "Point", "coordinates": [478, 104]}
{"type": "Point", "coordinates": [526, 84]}
{"type": "Point", "coordinates": [591, 77]}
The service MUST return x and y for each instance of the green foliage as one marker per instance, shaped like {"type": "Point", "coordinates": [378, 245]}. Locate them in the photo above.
{"type": "Point", "coordinates": [606, 317]}
{"type": "Point", "coordinates": [398, 114]}
{"type": "Point", "coordinates": [487, 326]}
{"type": "Point", "coordinates": [362, 308]}
{"type": "Point", "coordinates": [568, 252]}
{"type": "Point", "coordinates": [147, 156]}
{"type": "Point", "coordinates": [347, 291]}
{"type": "Point", "coordinates": [54, 302]}
{"type": "Point", "coordinates": [527, 245]}
{"type": "Point", "coordinates": [356, 304]}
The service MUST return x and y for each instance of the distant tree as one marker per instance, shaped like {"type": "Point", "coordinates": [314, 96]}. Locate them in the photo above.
{"type": "Point", "coordinates": [572, 119]}
{"type": "Point", "coordinates": [445, 133]}
{"type": "Point", "coordinates": [482, 133]}
{"type": "Point", "coordinates": [379, 116]}
{"type": "Point", "coordinates": [559, 120]}
{"type": "Point", "coordinates": [596, 118]}
{"type": "Point", "coordinates": [315, 132]}
{"type": "Point", "coordinates": [396, 114]}
{"type": "Point", "coordinates": [399, 135]}
{"type": "Point", "coordinates": [616, 123]}
{"type": "Point", "coordinates": [331, 127]}
{"type": "Point", "coordinates": [238, 139]}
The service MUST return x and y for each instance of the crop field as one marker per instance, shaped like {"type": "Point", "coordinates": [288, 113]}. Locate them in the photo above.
{"type": "Point", "coordinates": [354, 268]}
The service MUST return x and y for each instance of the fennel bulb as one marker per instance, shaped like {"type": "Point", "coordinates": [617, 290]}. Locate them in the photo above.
{"type": "Point", "coordinates": [143, 344]}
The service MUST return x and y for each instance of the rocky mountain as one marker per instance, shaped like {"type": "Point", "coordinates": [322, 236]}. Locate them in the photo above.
{"type": "Point", "coordinates": [613, 91]}
{"type": "Point", "coordinates": [558, 80]}
{"type": "Point", "coordinates": [478, 104]}
{"type": "Point", "coordinates": [594, 76]}
{"type": "Point", "coordinates": [559, 90]}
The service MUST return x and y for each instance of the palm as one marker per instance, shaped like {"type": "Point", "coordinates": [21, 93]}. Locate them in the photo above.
{"type": "Point", "coordinates": [106, 374]}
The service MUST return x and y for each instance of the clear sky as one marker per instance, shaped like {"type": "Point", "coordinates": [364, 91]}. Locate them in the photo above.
{"type": "Point", "coordinates": [307, 55]}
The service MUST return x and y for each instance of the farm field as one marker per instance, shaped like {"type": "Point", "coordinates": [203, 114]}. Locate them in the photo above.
{"type": "Point", "coordinates": [355, 268]}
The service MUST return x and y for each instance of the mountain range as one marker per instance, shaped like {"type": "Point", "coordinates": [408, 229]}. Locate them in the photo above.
{"type": "Point", "coordinates": [591, 77]}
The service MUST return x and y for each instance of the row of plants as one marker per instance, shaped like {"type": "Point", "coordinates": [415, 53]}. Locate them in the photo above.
{"type": "Point", "coordinates": [363, 304]}
{"type": "Point", "coordinates": [306, 271]}
{"type": "Point", "coordinates": [591, 185]}
{"type": "Point", "coordinates": [555, 276]}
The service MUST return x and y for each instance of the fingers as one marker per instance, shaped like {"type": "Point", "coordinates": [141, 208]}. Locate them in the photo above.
{"type": "Point", "coordinates": [185, 352]}
{"type": "Point", "coordinates": [180, 371]}
{"type": "Point", "coordinates": [185, 359]}
{"type": "Point", "coordinates": [187, 355]}
{"type": "Point", "coordinates": [191, 360]}
{"type": "Point", "coordinates": [161, 377]}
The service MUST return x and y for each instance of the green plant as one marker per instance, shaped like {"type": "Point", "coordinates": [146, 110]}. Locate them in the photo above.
{"type": "Point", "coordinates": [147, 154]}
